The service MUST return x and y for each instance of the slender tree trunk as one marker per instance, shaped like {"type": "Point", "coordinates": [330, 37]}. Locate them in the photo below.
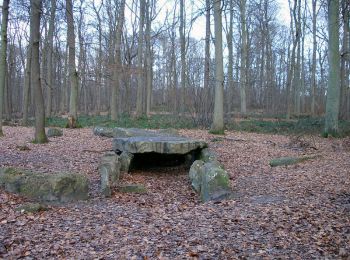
{"type": "Point", "coordinates": [314, 49]}
{"type": "Point", "coordinates": [244, 54]}
{"type": "Point", "coordinates": [73, 74]}
{"type": "Point", "coordinates": [230, 59]}
{"type": "Point", "coordinates": [207, 98]}
{"type": "Point", "coordinates": [3, 56]}
{"type": "Point", "coordinates": [183, 55]}
{"type": "Point", "coordinates": [49, 58]}
{"type": "Point", "coordinates": [26, 90]}
{"type": "Point", "coordinates": [149, 69]}
{"type": "Point", "coordinates": [139, 101]}
{"type": "Point", "coordinates": [40, 136]}
{"type": "Point", "coordinates": [345, 61]}
{"type": "Point", "coordinates": [218, 116]}
{"type": "Point", "coordinates": [116, 72]}
{"type": "Point", "coordinates": [333, 92]}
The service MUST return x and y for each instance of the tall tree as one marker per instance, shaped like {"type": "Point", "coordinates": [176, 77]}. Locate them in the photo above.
{"type": "Point", "coordinates": [333, 91]}
{"type": "Point", "coordinates": [218, 116]}
{"type": "Point", "coordinates": [116, 77]}
{"type": "Point", "coordinates": [3, 55]}
{"type": "Point", "coordinates": [49, 58]}
{"type": "Point", "coordinates": [36, 9]}
{"type": "Point", "coordinates": [244, 55]}
{"type": "Point", "coordinates": [139, 101]}
{"type": "Point", "coordinates": [314, 49]}
{"type": "Point", "coordinates": [183, 55]}
{"type": "Point", "coordinates": [73, 74]}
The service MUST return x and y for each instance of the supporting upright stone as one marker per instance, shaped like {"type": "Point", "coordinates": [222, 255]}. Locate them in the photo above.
{"type": "Point", "coordinates": [109, 169]}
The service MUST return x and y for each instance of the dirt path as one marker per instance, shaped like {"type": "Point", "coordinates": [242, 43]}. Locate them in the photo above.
{"type": "Point", "coordinates": [300, 211]}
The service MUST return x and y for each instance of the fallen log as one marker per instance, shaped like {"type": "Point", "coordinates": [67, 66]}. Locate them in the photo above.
{"type": "Point", "coordinates": [290, 160]}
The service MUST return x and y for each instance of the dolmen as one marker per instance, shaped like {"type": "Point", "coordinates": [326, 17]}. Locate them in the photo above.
{"type": "Point", "coordinates": [134, 148]}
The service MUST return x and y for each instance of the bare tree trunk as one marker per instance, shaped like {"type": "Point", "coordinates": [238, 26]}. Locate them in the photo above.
{"type": "Point", "coordinates": [3, 55]}
{"type": "Point", "coordinates": [49, 58]}
{"type": "Point", "coordinates": [139, 101]}
{"type": "Point", "coordinates": [244, 54]}
{"type": "Point", "coordinates": [149, 69]}
{"type": "Point", "coordinates": [207, 96]}
{"type": "Point", "coordinates": [218, 116]}
{"type": "Point", "coordinates": [183, 56]}
{"type": "Point", "coordinates": [26, 89]}
{"type": "Point", "coordinates": [333, 92]}
{"type": "Point", "coordinates": [314, 49]}
{"type": "Point", "coordinates": [73, 74]}
{"type": "Point", "coordinates": [40, 136]}
{"type": "Point", "coordinates": [230, 59]}
{"type": "Point", "coordinates": [116, 79]}
{"type": "Point", "coordinates": [345, 61]}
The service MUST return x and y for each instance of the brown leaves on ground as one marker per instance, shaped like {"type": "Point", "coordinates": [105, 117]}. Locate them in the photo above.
{"type": "Point", "coordinates": [298, 212]}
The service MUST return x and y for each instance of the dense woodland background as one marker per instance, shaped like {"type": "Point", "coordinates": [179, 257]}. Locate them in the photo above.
{"type": "Point", "coordinates": [141, 57]}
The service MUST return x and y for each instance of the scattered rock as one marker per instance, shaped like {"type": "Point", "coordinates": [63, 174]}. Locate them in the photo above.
{"type": "Point", "coordinates": [54, 132]}
{"type": "Point", "coordinates": [103, 131]}
{"type": "Point", "coordinates": [210, 180]}
{"type": "Point", "coordinates": [60, 187]}
{"type": "Point", "coordinates": [109, 169]}
{"type": "Point", "coordinates": [290, 160]}
{"type": "Point", "coordinates": [132, 188]}
{"type": "Point", "coordinates": [23, 147]}
{"type": "Point", "coordinates": [32, 207]}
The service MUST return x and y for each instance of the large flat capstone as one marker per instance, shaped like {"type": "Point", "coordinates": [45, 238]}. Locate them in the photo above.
{"type": "Point", "coordinates": [157, 144]}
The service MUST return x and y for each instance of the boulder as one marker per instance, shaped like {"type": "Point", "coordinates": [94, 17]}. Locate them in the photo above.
{"type": "Point", "coordinates": [210, 180]}
{"type": "Point", "coordinates": [157, 144]}
{"type": "Point", "coordinates": [109, 170]}
{"type": "Point", "coordinates": [290, 160]}
{"type": "Point", "coordinates": [125, 161]}
{"type": "Point", "coordinates": [133, 188]}
{"type": "Point", "coordinates": [53, 132]}
{"type": "Point", "coordinates": [59, 187]}
{"type": "Point", "coordinates": [32, 207]}
{"type": "Point", "coordinates": [132, 132]}
{"type": "Point", "coordinates": [103, 131]}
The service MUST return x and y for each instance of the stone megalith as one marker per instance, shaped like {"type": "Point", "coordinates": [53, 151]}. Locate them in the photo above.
{"type": "Point", "coordinates": [109, 169]}
{"type": "Point", "coordinates": [58, 187]}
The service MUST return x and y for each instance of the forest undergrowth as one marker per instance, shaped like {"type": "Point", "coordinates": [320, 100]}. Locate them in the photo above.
{"type": "Point", "coordinates": [300, 211]}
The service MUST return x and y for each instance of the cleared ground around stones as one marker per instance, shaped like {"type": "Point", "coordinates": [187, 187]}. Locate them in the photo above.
{"type": "Point", "coordinates": [301, 210]}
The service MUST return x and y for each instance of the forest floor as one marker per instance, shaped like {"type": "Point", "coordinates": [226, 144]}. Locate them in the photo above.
{"type": "Point", "coordinates": [290, 212]}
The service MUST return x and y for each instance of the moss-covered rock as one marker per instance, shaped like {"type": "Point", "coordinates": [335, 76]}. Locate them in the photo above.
{"type": "Point", "coordinates": [32, 207]}
{"type": "Point", "coordinates": [60, 187]}
{"type": "Point", "coordinates": [133, 188]}
{"type": "Point", "coordinates": [53, 132]}
{"type": "Point", "coordinates": [290, 160]}
{"type": "Point", "coordinates": [210, 180]}
{"type": "Point", "coordinates": [109, 170]}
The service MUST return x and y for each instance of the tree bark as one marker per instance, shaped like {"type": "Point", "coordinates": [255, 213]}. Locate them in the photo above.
{"type": "Point", "coordinates": [333, 92]}
{"type": "Point", "coordinates": [314, 49]}
{"type": "Point", "coordinates": [40, 136]}
{"type": "Point", "coordinates": [73, 74]}
{"type": "Point", "coordinates": [183, 56]}
{"type": "Point", "coordinates": [244, 54]}
{"type": "Point", "coordinates": [49, 58]}
{"type": "Point", "coordinates": [3, 56]}
{"type": "Point", "coordinates": [218, 116]}
{"type": "Point", "coordinates": [118, 64]}
{"type": "Point", "coordinates": [139, 101]}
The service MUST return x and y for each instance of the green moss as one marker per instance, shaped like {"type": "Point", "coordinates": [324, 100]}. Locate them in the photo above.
{"type": "Point", "coordinates": [133, 188]}
{"type": "Point", "coordinates": [290, 160]}
{"type": "Point", "coordinates": [32, 207]}
{"type": "Point", "coordinates": [217, 132]}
